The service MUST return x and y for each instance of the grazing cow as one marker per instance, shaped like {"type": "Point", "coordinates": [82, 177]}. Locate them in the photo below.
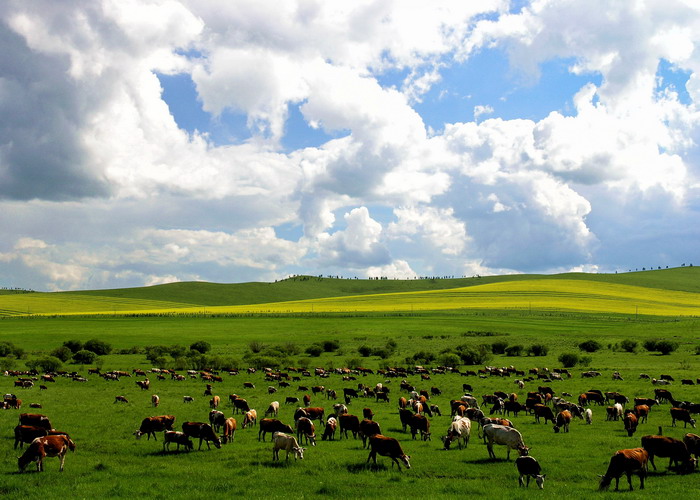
{"type": "Point", "coordinates": [387, 447]}
{"type": "Point", "coordinates": [339, 409]}
{"type": "Point", "coordinates": [382, 396]}
{"type": "Point", "coordinates": [282, 441]}
{"type": "Point", "coordinates": [329, 431]}
{"type": "Point", "coordinates": [248, 385]}
{"type": "Point", "coordinates": [177, 437]}
{"type": "Point", "coordinates": [628, 462]}
{"type": "Point", "coordinates": [588, 416]}
{"type": "Point", "coordinates": [291, 400]}
{"type": "Point", "coordinates": [367, 413]}
{"type": "Point", "coordinates": [306, 430]}
{"type": "Point", "coordinates": [420, 423]}
{"type": "Point", "coordinates": [151, 425]}
{"type": "Point", "coordinates": [642, 412]}
{"type": "Point", "coordinates": [27, 434]}
{"type": "Point", "coordinates": [630, 421]}
{"type": "Point", "coordinates": [35, 419]}
{"type": "Point", "coordinates": [405, 416]}
{"type": "Point", "coordinates": [229, 430]}
{"type": "Point", "coordinates": [563, 419]}
{"type": "Point", "coordinates": [155, 400]}
{"type": "Point", "coordinates": [272, 425]}
{"type": "Point", "coordinates": [348, 423]}
{"type": "Point", "coordinates": [313, 413]}
{"type": "Point", "coordinates": [250, 419]}
{"type": "Point", "coordinates": [144, 384]}
{"type": "Point", "coordinates": [595, 397]}
{"type": "Point", "coordinates": [663, 395]}
{"type": "Point", "coordinates": [306, 399]}
{"type": "Point", "coordinates": [513, 407]}
{"type": "Point", "coordinates": [686, 381]}
{"type": "Point", "coordinates": [660, 382]}
{"type": "Point", "coordinates": [542, 411]}
{"type": "Point", "coordinates": [675, 450]}
{"type": "Point", "coordinates": [187, 399]}
{"type": "Point", "coordinates": [214, 402]}
{"type": "Point", "coordinates": [646, 401]}
{"type": "Point", "coordinates": [273, 409]}
{"type": "Point", "coordinates": [240, 405]}
{"type": "Point", "coordinates": [350, 393]}
{"type": "Point", "coordinates": [506, 436]}
{"type": "Point", "coordinates": [682, 415]}
{"type": "Point", "coordinates": [120, 399]}
{"type": "Point", "coordinates": [216, 419]}
{"type": "Point", "coordinates": [368, 428]}
{"type": "Point", "coordinates": [692, 442]}
{"type": "Point", "coordinates": [46, 446]}
{"type": "Point", "coordinates": [202, 431]}
{"type": "Point", "coordinates": [459, 430]}
{"type": "Point", "coordinates": [403, 402]}
{"type": "Point", "coordinates": [528, 468]}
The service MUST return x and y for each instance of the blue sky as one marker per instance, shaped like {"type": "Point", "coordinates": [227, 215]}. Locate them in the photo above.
{"type": "Point", "coordinates": [257, 140]}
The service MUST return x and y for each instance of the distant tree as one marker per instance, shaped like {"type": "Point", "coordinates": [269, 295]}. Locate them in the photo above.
{"type": "Point", "coordinates": [590, 346]}
{"type": "Point", "coordinates": [568, 359]}
{"type": "Point", "coordinates": [449, 359]}
{"type": "Point", "coordinates": [201, 346]}
{"type": "Point", "coordinates": [62, 353]}
{"type": "Point", "coordinates": [629, 345]}
{"type": "Point", "coordinates": [9, 349]}
{"type": "Point", "coordinates": [666, 346]}
{"type": "Point", "coordinates": [365, 351]}
{"type": "Point", "coordinates": [471, 355]}
{"type": "Point", "coordinates": [256, 346]}
{"type": "Point", "coordinates": [330, 345]}
{"type": "Point", "coordinates": [97, 346]}
{"type": "Point", "coordinates": [514, 350]}
{"type": "Point", "coordinates": [538, 350]}
{"type": "Point", "coordinates": [45, 364]}
{"type": "Point", "coordinates": [499, 347]}
{"type": "Point", "coordinates": [84, 357]}
{"type": "Point", "coordinates": [73, 345]}
{"type": "Point", "coordinates": [314, 350]}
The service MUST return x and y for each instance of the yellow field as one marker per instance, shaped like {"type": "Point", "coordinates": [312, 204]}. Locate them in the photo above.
{"type": "Point", "coordinates": [535, 295]}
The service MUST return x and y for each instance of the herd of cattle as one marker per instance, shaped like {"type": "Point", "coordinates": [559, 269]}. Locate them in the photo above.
{"type": "Point", "coordinates": [415, 410]}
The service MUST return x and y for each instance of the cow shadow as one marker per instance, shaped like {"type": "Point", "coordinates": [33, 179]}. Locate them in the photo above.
{"type": "Point", "coordinates": [363, 467]}
{"type": "Point", "coordinates": [277, 464]}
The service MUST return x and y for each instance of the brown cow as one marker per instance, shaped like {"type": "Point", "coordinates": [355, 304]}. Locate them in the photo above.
{"type": "Point", "coordinates": [563, 419]}
{"type": "Point", "coordinates": [179, 438]}
{"type": "Point", "coordinates": [36, 419]}
{"type": "Point", "coordinates": [229, 430]}
{"type": "Point", "coordinates": [329, 431]}
{"type": "Point", "coordinates": [203, 431]}
{"type": "Point", "coordinates": [682, 415]}
{"type": "Point", "coordinates": [151, 425]}
{"type": "Point", "coordinates": [250, 419]}
{"type": "Point", "coordinates": [348, 423]}
{"type": "Point", "coordinates": [306, 430]}
{"type": "Point", "coordinates": [420, 424]}
{"type": "Point", "coordinates": [387, 447]}
{"type": "Point", "coordinates": [46, 446]}
{"type": "Point", "coordinates": [273, 425]}
{"type": "Point", "coordinates": [675, 450]}
{"type": "Point", "coordinates": [630, 421]}
{"type": "Point", "coordinates": [368, 428]}
{"type": "Point", "coordinates": [27, 434]}
{"type": "Point", "coordinates": [628, 462]}
{"type": "Point", "coordinates": [240, 405]}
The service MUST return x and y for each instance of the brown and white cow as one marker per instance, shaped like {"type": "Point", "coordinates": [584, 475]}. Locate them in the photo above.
{"type": "Point", "coordinates": [563, 419]}
{"type": "Point", "coordinates": [387, 447]}
{"type": "Point", "coordinates": [306, 431]}
{"type": "Point", "coordinates": [214, 402]}
{"type": "Point", "coordinates": [459, 430]}
{"type": "Point", "coordinates": [630, 421]}
{"type": "Point", "coordinates": [329, 431]}
{"type": "Point", "coordinates": [682, 415]}
{"type": "Point", "coordinates": [46, 446]}
{"type": "Point", "coordinates": [273, 409]}
{"type": "Point", "coordinates": [288, 443]}
{"type": "Point", "coordinates": [155, 400]}
{"type": "Point", "coordinates": [216, 419]}
{"type": "Point", "coordinates": [250, 419]}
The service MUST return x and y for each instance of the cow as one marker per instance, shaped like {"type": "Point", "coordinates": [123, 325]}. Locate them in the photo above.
{"type": "Point", "coordinates": [646, 401]}
{"type": "Point", "coordinates": [179, 438]}
{"type": "Point", "coordinates": [329, 431]}
{"type": "Point", "coordinates": [27, 434]}
{"type": "Point", "coordinates": [542, 411]}
{"type": "Point", "coordinates": [203, 431]}
{"type": "Point", "coordinates": [595, 397]}
{"type": "Point", "coordinates": [36, 419]}
{"type": "Point", "coordinates": [287, 442]}
{"type": "Point", "coordinates": [214, 402]}
{"type": "Point", "coordinates": [250, 419]}
{"type": "Point", "coordinates": [506, 436]}
{"type": "Point", "coordinates": [642, 413]}
{"type": "Point", "coordinates": [420, 423]}
{"type": "Point", "coordinates": [350, 393]}
{"type": "Point", "coordinates": [405, 416]}
{"type": "Point", "coordinates": [272, 425]}
{"type": "Point", "coordinates": [306, 399]}
{"type": "Point", "coordinates": [291, 400]}
{"type": "Point", "coordinates": [144, 384]}
{"type": "Point", "coordinates": [216, 419]}
{"type": "Point", "coordinates": [663, 395]}
{"type": "Point", "coordinates": [682, 415]}
{"type": "Point", "coordinates": [348, 423]}
{"type": "Point", "coordinates": [151, 425]}
{"type": "Point", "coordinates": [248, 385]}
{"type": "Point", "coordinates": [632, 461]}
{"type": "Point", "coordinates": [273, 409]}
{"type": "Point", "coordinates": [675, 450]}
{"type": "Point", "coordinates": [630, 421]}
{"type": "Point", "coordinates": [692, 442]}
{"type": "Point", "coordinates": [528, 467]}
{"type": "Point", "coordinates": [240, 405]}
{"type": "Point", "coordinates": [155, 400]}
{"type": "Point", "coordinates": [367, 413]}
{"type": "Point", "coordinates": [588, 416]}
{"type": "Point", "coordinates": [306, 430]}
{"type": "Point", "coordinates": [229, 430]}
{"type": "Point", "coordinates": [120, 399]}
{"type": "Point", "coordinates": [563, 419]}
{"type": "Point", "coordinates": [513, 407]}
{"type": "Point", "coordinates": [387, 447]}
{"type": "Point", "coordinates": [367, 429]}
{"type": "Point", "coordinates": [312, 413]}
{"type": "Point", "coordinates": [46, 446]}
{"type": "Point", "coordinates": [187, 399]}
{"type": "Point", "coordinates": [382, 396]}
{"type": "Point", "coordinates": [459, 430]}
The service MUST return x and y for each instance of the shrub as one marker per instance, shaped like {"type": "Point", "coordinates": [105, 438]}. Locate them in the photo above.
{"type": "Point", "coordinates": [9, 349]}
{"type": "Point", "coordinates": [514, 350]}
{"type": "Point", "coordinates": [365, 351]}
{"type": "Point", "coordinates": [590, 346]}
{"type": "Point", "coordinates": [45, 364]}
{"type": "Point", "coordinates": [666, 346]}
{"type": "Point", "coordinates": [382, 352]}
{"type": "Point", "coordinates": [84, 357]}
{"type": "Point", "coordinates": [473, 355]}
{"type": "Point", "coordinates": [73, 345]}
{"type": "Point", "coordinates": [538, 350]}
{"type": "Point", "coordinates": [628, 345]}
{"type": "Point", "coordinates": [201, 346]}
{"type": "Point", "coordinates": [62, 353]}
{"type": "Point", "coordinates": [353, 362]}
{"type": "Point", "coordinates": [697, 350]}
{"type": "Point", "coordinates": [568, 359]}
{"type": "Point", "coordinates": [649, 345]}
{"type": "Point", "coordinates": [330, 345]}
{"type": "Point", "coordinates": [177, 350]}
{"type": "Point", "coordinates": [421, 358]}
{"type": "Point", "coordinates": [256, 346]}
{"type": "Point", "coordinates": [449, 359]}
{"type": "Point", "coordinates": [314, 350]}
{"type": "Point", "coordinates": [97, 346]}
{"type": "Point", "coordinates": [499, 347]}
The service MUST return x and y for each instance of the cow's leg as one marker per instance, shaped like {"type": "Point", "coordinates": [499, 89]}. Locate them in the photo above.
{"type": "Point", "coordinates": [651, 460]}
{"type": "Point", "coordinates": [629, 479]}
{"type": "Point", "coordinates": [62, 457]}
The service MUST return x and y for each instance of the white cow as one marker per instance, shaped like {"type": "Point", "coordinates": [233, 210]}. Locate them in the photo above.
{"type": "Point", "coordinates": [588, 415]}
{"type": "Point", "coordinates": [273, 409]}
{"type": "Point", "coordinates": [155, 400]}
{"type": "Point", "coordinates": [618, 411]}
{"type": "Point", "coordinates": [506, 436]}
{"type": "Point", "coordinates": [459, 430]}
{"type": "Point", "coordinates": [470, 400]}
{"type": "Point", "coordinates": [282, 441]}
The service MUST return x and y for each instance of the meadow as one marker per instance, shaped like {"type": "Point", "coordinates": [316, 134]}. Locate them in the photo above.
{"type": "Point", "coordinates": [110, 462]}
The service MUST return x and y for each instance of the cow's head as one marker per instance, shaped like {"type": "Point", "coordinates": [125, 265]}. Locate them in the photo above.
{"type": "Point", "coordinates": [298, 452]}
{"type": "Point", "coordinates": [406, 460]}
{"type": "Point", "coordinates": [539, 479]}
{"type": "Point", "coordinates": [138, 434]}
{"type": "Point", "coordinates": [524, 450]}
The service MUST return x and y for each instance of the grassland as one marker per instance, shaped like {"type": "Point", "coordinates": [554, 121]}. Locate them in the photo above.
{"type": "Point", "coordinates": [559, 311]}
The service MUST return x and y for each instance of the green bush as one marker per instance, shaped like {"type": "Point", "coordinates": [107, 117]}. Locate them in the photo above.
{"type": "Point", "coordinates": [73, 345]}
{"type": "Point", "coordinates": [315, 350]}
{"type": "Point", "coordinates": [365, 350]}
{"type": "Point", "coordinates": [499, 347]}
{"type": "Point", "coordinates": [45, 364]}
{"type": "Point", "coordinates": [449, 359]}
{"type": "Point", "coordinates": [590, 346]}
{"type": "Point", "coordinates": [421, 358]}
{"type": "Point", "coordinates": [629, 345]}
{"type": "Point", "coordinates": [662, 346]}
{"type": "Point", "coordinates": [97, 346]}
{"type": "Point", "coordinates": [84, 357]}
{"type": "Point", "coordinates": [330, 345]}
{"type": "Point", "coordinates": [62, 353]}
{"type": "Point", "coordinates": [514, 350]}
{"type": "Point", "coordinates": [201, 346]}
{"type": "Point", "coordinates": [538, 350]}
{"type": "Point", "coordinates": [9, 349]}
{"type": "Point", "coordinates": [473, 355]}
{"type": "Point", "coordinates": [569, 359]}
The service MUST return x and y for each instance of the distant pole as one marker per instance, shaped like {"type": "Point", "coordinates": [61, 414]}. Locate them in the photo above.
{"type": "Point", "coordinates": [636, 312]}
